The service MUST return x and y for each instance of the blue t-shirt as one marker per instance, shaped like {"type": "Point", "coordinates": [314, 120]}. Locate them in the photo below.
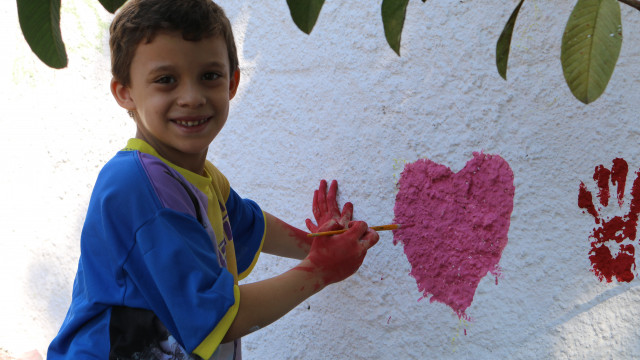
{"type": "Point", "coordinates": [162, 249]}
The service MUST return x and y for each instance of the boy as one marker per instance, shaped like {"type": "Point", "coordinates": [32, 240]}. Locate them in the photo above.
{"type": "Point", "coordinates": [166, 238]}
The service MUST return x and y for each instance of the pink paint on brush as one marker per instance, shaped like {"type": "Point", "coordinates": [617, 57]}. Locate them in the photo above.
{"type": "Point", "coordinates": [461, 224]}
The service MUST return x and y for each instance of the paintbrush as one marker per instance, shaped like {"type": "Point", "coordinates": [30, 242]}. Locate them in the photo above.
{"type": "Point", "coordinates": [376, 228]}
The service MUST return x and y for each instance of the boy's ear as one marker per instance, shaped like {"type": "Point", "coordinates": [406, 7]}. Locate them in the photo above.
{"type": "Point", "coordinates": [122, 94]}
{"type": "Point", "coordinates": [233, 83]}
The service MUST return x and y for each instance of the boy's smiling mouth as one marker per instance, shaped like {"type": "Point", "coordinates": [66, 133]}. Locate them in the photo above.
{"type": "Point", "coordinates": [191, 121]}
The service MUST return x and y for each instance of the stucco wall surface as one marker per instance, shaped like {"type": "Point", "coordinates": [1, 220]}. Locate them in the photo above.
{"type": "Point", "coordinates": [340, 104]}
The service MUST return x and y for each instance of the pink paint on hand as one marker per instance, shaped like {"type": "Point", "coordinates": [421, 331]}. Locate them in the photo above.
{"type": "Point", "coordinates": [612, 252]}
{"type": "Point", "coordinates": [461, 224]}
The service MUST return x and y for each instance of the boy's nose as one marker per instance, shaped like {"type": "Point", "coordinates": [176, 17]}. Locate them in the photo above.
{"type": "Point", "coordinates": [190, 96]}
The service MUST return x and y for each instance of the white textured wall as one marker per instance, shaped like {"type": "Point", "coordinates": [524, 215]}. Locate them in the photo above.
{"type": "Point", "coordinates": [340, 104]}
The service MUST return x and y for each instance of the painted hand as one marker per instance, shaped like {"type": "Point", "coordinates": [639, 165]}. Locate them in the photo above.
{"type": "Point", "coordinates": [326, 210]}
{"type": "Point", "coordinates": [612, 252]}
{"type": "Point", "coordinates": [338, 257]}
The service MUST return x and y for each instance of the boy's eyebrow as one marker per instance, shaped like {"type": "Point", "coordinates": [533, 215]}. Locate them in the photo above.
{"type": "Point", "coordinates": [216, 63]}
{"type": "Point", "coordinates": [168, 67]}
{"type": "Point", "coordinates": [160, 69]}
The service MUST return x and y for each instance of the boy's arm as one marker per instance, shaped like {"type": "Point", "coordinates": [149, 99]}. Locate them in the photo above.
{"type": "Point", "coordinates": [330, 259]}
{"type": "Point", "coordinates": [285, 240]}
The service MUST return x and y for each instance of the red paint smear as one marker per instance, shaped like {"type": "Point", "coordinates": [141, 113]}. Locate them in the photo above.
{"type": "Point", "coordinates": [461, 225]}
{"type": "Point", "coordinates": [585, 201]}
{"type": "Point", "coordinates": [308, 269]}
{"type": "Point", "coordinates": [338, 257]}
{"type": "Point", "coordinates": [606, 266]}
{"type": "Point", "coordinates": [601, 177]}
{"type": "Point", "coordinates": [302, 240]}
{"type": "Point", "coordinates": [326, 210]}
{"type": "Point", "coordinates": [613, 231]}
{"type": "Point", "coordinates": [619, 172]}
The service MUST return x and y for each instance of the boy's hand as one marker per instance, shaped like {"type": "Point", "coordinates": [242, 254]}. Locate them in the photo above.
{"type": "Point", "coordinates": [338, 257]}
{"type": "Point", "coordinates": [326, 210]}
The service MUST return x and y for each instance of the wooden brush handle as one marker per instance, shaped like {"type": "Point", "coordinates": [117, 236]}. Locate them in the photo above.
{"type": "Point", "coordinates": [335, 232]}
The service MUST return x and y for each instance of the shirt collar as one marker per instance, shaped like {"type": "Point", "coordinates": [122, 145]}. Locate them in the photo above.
{"type": "Point", "coordinates": [200, 181]}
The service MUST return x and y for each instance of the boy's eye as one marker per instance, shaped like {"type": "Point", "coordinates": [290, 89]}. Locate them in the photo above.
{"type": "Point", "coordinates": [210, 76]}
{"type": "Point", "coordinates": [165, 80]}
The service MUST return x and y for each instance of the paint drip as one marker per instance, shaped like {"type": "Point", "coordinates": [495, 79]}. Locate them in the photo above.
{"type": "Point", "coordinates": [612, 253]}
{"type": "Point", "coordinates": [461, 221]}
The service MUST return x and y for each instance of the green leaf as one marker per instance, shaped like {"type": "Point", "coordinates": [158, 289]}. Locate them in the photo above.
{"type": "Point", "coordinates": [305, 13]}
{"type": "Point", "coordinates": [40, 24]}
{"type": "Point", "coordinates": [590, 47]}
{"type": "Point", "coordinates": [504, 42]}
{"type": "Point", "coordinates": [393, 15]}
{"type": "Point", "coordinates": [112, 5]}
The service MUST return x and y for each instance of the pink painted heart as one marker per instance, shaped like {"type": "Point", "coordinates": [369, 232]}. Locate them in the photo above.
{"type": "Point", "coordinates": [461, 221]}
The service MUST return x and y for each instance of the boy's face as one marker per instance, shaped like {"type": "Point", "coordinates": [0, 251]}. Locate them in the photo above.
{"type": "Point", "coordinates": [180, 92]}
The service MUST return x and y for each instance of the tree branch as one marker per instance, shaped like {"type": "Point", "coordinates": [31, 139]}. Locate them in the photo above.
{"type": "Point", "coordinates": [632, 3]}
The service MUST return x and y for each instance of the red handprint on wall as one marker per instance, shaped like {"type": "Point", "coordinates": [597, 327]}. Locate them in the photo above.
{"type": "Point", "coordinates": [612, 241]}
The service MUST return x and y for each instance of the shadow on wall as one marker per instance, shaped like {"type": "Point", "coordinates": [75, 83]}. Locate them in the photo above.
{"type": "Point", "coordinates": [604, 326]}
{"type": "Point", "coordinates": [587, 306]}
{"type": "Point", "coordinates": [48, 294]}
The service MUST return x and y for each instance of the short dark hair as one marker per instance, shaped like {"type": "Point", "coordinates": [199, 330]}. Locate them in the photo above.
{"type": "Point", "coordinates": [141, 20]}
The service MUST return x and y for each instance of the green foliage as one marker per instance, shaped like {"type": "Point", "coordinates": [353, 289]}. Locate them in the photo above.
{"type": "Point", "coordinates": [40, 24]}
{"type": "Point", "coordinates": [590, 47]}
{"type": "Point", "coordinates": [393, 15]}
{"type": "Point", "coordinates": [112, 5]}
{"type": "Point", "coordinates": [305, 13]}
{"type": "Point", "coordinates": [504, 42]}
